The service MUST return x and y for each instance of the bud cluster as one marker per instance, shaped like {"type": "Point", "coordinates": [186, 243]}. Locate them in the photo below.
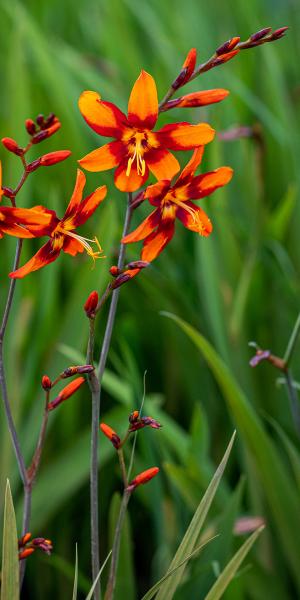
{"type": "Point", "coordinates": [27, 545]}
{"type": "Point", "coordinates": [128, 272]}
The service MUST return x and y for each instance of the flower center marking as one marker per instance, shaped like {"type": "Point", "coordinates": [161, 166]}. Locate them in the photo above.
{"type": "Point", "coordinates": [137, 156]}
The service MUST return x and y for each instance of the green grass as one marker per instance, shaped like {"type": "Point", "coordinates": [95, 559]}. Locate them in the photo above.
{"type": "Point", "coordinates": [241, 284]}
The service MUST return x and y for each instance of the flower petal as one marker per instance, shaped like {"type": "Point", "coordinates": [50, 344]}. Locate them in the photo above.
{"type": "Point", "coordinates": [183, 136]}
{"type": "Point", "coordinates": [37, 220]}
{"type": "Point", "coordinates": [143, 102]}
{"type": "Point", "coordinates": [156, 241]}
{"type": "Point", "coordinates": [89, 205]}
{"type": "Point", "coordinates": [205, 184]}
{"type": "Point", "coordinates": [103, 117]}
{"type": "Point", "coordinates": [43, 257]}
{"type": "Point", "coordinates": [77, 194]}
{"type": "Point", "coordinates": [104, 158]}
{"type": "Point", "coordinates": [144, 229]}
{"type": "Point", "coordinates": [131, 182]}
{"type": "Point", "coordinates": [162, 163]}
{"type": "Point", "coordinates": [154, 193]}
{"type": "Point", "coordinates": [199, 222]}
{"type": "Point", "coordinates": [15, 230]}
{"type": "Point", "coordinates": [189, 170]}
{"type": "Point", "coordinates": [72, 246]}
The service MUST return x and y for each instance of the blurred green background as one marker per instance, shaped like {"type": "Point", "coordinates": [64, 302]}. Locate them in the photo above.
{"type": "Point", "coordinates": [241, 284]}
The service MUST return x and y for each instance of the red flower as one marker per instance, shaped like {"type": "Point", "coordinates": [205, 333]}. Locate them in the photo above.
{"type": "Point", "coordinates": [174, 201]}
{"type": "Point", "coordinates": [137, 148]}
{"type": "Point", "coordinates": [61, 233]}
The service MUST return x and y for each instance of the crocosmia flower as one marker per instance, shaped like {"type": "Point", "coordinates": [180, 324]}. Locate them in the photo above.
{"type": "Point", "coordinates": [137, 148]}
{"type": "Point", "coordinates": [62, 231]}
{"type": "Point", "coordinates": [174, 202]}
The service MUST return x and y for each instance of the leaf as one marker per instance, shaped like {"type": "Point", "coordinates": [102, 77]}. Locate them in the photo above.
{"type": "Point", "coordinates": [74, 595]}
{"type": "Point", "coordinates": [159, 583]}
{"type": "Point", "coordinates": [278, 486]}
{"type": "Point", "coordinates": [231, 568]}
{"type": "Point", "coordinates": [191, 536]}
{"type": "Point", "coordinates": [90, 594]}
{"type": "Point", "coordinates": [10, 559]}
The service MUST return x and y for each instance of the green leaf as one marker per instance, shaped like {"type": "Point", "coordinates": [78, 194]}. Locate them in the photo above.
{"type": "Point", "coordinates": [74, 595]}
{"type": "Point", "coordinates": [10, 559]}
{"type": "Point", "coordinates": [159, 583]}
{"type": "Point", "coordinates": [231, 568]}
{"type": "Point", "coordinates": [278, 486]}
{"type": "Point", "coordinates": [90, 594]}
{"type": "Point", "coordinates": [191, 536]}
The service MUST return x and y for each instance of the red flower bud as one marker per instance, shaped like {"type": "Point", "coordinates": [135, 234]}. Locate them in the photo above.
{"type": "Point", "coordinates": [33, 166]}
{"type": "Point", "coordinates": [91, 304]}
{"type": "Point", "coordinates": [40, 120]}
{"type": "Point", "coordinates": [25, 553]}
{"type": "Point", "coordinates": [137, 264]}
{"type": "Point", "coordinates": [54, 157]}
{"type": "Point", "coordinates": [66, 392]}
{"type": "Point", "coordinates": [111, 435]}
{"type": "Point", "coordinates": [46, 382]}
{"type": "Point", "coordinates": [197, 99]}
{"type": "Point", "coordinates": [228, 46]}
{"type": "Point", "coordinates": [115, 271]}
{"type": "Point", "coordinates": [8, 192]}
{"type": "Point", "coordinates": [134, 416]}
{"type": "Point", "coordinates": [30, 126]}
{"type": "Point", "coordinates": [186, 70]}
{"type": "Point", "coordinates": [143, 477]}
{"type": "Point", "coordinates": [279, 33]}
{"type": "Point", "coordinates": [45, 133]}
{"type": "Point", "coordinates": [255, 37]}
{"type": "Point", "coordinates": [223, 58]}
{"type": "Point", "coordinates": [12, 146]}
{"type": "Point", "coordinates": [24, 539]}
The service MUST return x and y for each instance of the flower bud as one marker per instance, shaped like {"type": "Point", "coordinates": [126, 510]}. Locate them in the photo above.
{"type": "Point", "coordinates": [8, 192]}
{"type": "Point", "coordinates": [255, 37]}
{"type": "Point", "coordinates": [30, 126]}
{"type": "Point", "coordinates": [228, 46]}
{"type": "Point", "coordinates": [25, 553]}
{"type": "Point", "coordinates": [111, 435]}
{"type": "Point", "coordinates": [40, 121]}
{"type": "Point", "coordinates": [223, 58]}
{"type": "Point", "coordinates": [197, 99]}
{"type": "Point", "coordinates": [11, 145]}
{"type": "Point", "coordinates": [46, 383]}
{"type": "Point", "coordinates": [66, 392]}
{"type": "Point", "coordinates": [91, 304]}
{"type": "Point", "coordinates": [279, 33]}
{"type": "Point", "coordinates": [24, 539]}
{"type": "Point", "coordinates": [115, 271]}
{"type": "Point", "coordinates": [143, 478]}
{"type": "Point", "coordinates": [54, 157]}
{"type": "Point", "coordinates": [186, 70]}
{"type": "Point", "coordinates": [45, 133]}
{"type": "Point", "coordinates": [137, 264]}
{"type": "Point", "coordinates": [33, 166]}
{"type": "Point", "coordinates": [70, 371]}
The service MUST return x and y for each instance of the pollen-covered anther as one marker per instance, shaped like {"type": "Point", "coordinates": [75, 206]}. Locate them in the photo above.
{"type": "Point", "coordinates": [85, 243]}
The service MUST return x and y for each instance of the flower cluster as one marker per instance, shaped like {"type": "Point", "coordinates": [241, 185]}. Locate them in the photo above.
{"type": "Point", "coordinates": [27, 545]}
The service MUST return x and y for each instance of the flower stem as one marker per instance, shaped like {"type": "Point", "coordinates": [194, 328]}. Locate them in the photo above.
{"type": "Point", "coordinates": [292, 342]}
{"type": "Point", "coordinates": [116, 546]}
{"type": "Point", "coordinates": [122, 466]}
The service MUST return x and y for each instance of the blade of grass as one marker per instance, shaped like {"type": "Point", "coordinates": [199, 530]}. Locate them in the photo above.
{"type": "Point", "coordinates": [10, 559]}
{"type": "Point", "coordinates": [74, 595]}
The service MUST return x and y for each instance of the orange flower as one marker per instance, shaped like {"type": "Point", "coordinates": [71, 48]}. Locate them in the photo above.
{"type": "Point", "coordinates": [158, 228]}
{"type": "Point", "coordinates": [137, 148]}
{"type": "Point", "coordinates": [62, 236]}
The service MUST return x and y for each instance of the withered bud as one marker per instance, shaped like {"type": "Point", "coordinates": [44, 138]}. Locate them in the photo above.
{"type": "Point", "coordinates": [143, 478]}
{"type": "Point", "coordinates": [12, 146]}
{"type": "Point", "coordinates": [228, 46]}
{"type": "Point", "coordinates": [46, 382]}
{"type": "Point", "coordinates": [54, 157]}
{"type": "Point", "coordinates": [8, 192]}
{"type": "Point", "coordinates": [70, 371]}
{"type": "Point", "coordinates": [115, 271]}
{"type": "Point", "coordinates": [35, 164]}
{"type": "Point", "coordinates": [91, 304]}
{"type": "Point", "coordinates": [111, 435]}
{"type": "Point", "coordinates": [255, 37]}
{"type": "Point", "coordinates": [30, 126]}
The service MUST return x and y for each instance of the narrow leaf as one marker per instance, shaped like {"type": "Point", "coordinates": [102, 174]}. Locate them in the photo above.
{"type": "Point", "coordinates": [74, 596]}
{"type": "Point", "coordinates": [90, 594]}
{"type": "Point", "coordinates": [10, 559]}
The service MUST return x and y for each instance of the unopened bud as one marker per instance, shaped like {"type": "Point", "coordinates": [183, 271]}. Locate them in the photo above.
{"type": "Point", "coordinates": [46, 382]}
{"type": "Point", "coordinates": [54, 157]}
{"type": "Point", "coordinates": [111, 435]}
{"type": "Point", "coordinates": [24, 539]}
{"type": "Point", "coordinates": [91, 304]}
{"type": "Point", "coordinates": [228, 46]}
{"type": "Point", "coordinates": [8, 192]}
{"type": "Point", "coordinates": [45, 133]}
{"type": "Point", "coordinates": [143, 478]}
{"type": "Point", "coordinates": [255, 37]}
{"type": "Point", "coordinates": [223, 58]}
{"type": "Point", "coordinates": [25, 553]}
{"type": "Point", "coordinates": [30, 126]}
{"type": "Point", "coordinates": [115, 271]}
{"type": "Point", "coordinates": [186, 70]}
{"type": "Point", "coordinates": [40, 120]}
{"type": "Point", "coordinates": [35, 164]}
{"type": "Point", "coordinates": [279, 33]}
{"type": "Point", "coordinates": [11, 145]}
{"type": "Point", "coordinates": [137, 264]}
{"type": "Point", "coordinates": [66, 392]}
{"type": "Point", "coordinates": [70, 371]}
{"type": "Point", "coordinates": [50, 119]}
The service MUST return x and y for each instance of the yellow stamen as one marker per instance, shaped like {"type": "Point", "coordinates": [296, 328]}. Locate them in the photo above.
{"type": "Point", "coordinates": [138, 156]}
{"type": "Point", "coordinates": [85, 243]}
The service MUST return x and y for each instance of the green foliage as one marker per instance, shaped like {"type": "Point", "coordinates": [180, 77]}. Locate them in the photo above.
{"type": "Point", "coordinates": [10, 559]}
